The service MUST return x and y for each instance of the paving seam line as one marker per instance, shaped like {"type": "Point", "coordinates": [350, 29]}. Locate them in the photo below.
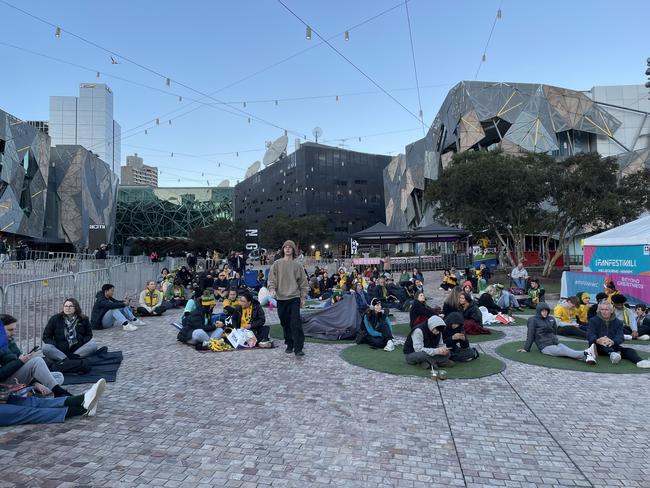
{"type": "Point", "coordinates": [451, 431]}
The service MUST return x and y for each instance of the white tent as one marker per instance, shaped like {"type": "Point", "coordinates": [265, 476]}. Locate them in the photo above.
{"type": "Point", "coordinates": [636, 233]}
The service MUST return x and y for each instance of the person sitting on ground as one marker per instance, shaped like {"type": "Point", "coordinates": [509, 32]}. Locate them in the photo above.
{"type": "Point", "coordinates": [68, 334]}
{"type": "Point", "coordinates": [593, 309]}
{"type": "Point", "coordinates": [418, 287]}
{"type": "Point", "coordinates": [185, 276]}
{"type": "Point", "coordinates": [314, 288]}
{"type": "Point", "coordinates": [376, 329]}
{"type": "Point", "coordinates": [150, 302]}
{"type": "Point", "coordinates": [473, 323]}
{"type": "Point", "coordinates": [565, 315]}
{"type": "Point", "coordinates": [506, 301]}
{"type": "Point", "coordinates": [610, 290]}
{"type": "Point", "coordinates": [404, 278]}
{"type": "Point", "coordinates": [542, 330]}
{"type": "Point", "coordinates": [221, 286]}
{"type": "Point", "coordinates": [449, 281]}
{"type": "Point", "coordinates": [519, 276]}
{"type": "Point", "coordinates": [206, 280]}
{"type": "Point", "coordinates": [231, 300]}
{"type": "Point", "coordinates": [424, 345]}
{"type": "Point", "coordinates": [27, 369]}
{"type": "Point", "coordinates": [487, 300]}
{"type": "Point", "coordinates": [451, 303]}
{"type": "Point", "coordinates": [535, 294]}
{"type": "Point", "coordinates": [417, 275]}
{"type": "Point", "coordinates": [107, 311]}
{"type": "Point", "coordinates": [468, 287]}
{"type": "Point", "coordinates": [337, 296]}
{"type": "Point", "coordinates": [421, 312]}
{"type": "Point", "coordinates": [175, 295]}
{"type": "Point", "coordinates": [36, 410]}
{"type": "Point", "coordinates": [362, 298]}
{"type": "Point", "coordinates": [582, 310]}
{"type": "Point", "coordinates": [265, 298]}
{"type": "Point", "coordinates": [252, 317]}
{"type": "Point", "coordinates": [605, 336]}
{"type": "Point", "coordinates": [630, 328]}
{"type": "Point", "coordinates": [456, 341]}
{"type": "Point", "coordinates": [198, 325]}
{"type": "Point", "coordinates": [642, 320]}
{"type": "Point", "coordinates": [381, 292]}
{"type": "Point", "coordinates": [163, 275]}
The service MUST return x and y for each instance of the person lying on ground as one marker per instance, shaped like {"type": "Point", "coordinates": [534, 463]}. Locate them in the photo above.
{"type": "Point", "coordinates": [198, 326]}
{"type": "Point", "coordinates": [26, 369]}
{"type": "Point", "coordinates": [605, 336]}
{"type": "Point", "coordinates": [107, 311]}
{"type": "Point", "coordinates": [420, 311]}
{"type": "Point", "coordinates": [36, 410]}
{"type": "Point", "coordinates": [628, 317]}
{"type": "Point", "coordinates": [542, 330]}
{"type": "Point", "coordinates": [253, 318]}
{"type": "Point", "coordinates": [456, 340]}
{"type": "Point", "coordinates": [150, 302]}
{"type": "Point", "coordinates": [376, 329]}
{"type": "Point", "coordinates": [424, 345]}
{"type": "Point", "coordinates": [68, 334]}
{"type": "Point", "coordinates": [175, 295]}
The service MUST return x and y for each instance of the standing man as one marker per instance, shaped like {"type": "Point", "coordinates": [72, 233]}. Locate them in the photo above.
{"type": "Point", "coordinates": [288, 283]}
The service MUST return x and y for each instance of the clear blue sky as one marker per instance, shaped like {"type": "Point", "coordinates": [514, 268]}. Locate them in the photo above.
{"type": "Point", "coordinates": [208, 45]}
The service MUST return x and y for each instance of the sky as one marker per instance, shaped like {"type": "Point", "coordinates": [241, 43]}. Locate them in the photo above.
{"type": "Point", "coordinates": [223, 54]}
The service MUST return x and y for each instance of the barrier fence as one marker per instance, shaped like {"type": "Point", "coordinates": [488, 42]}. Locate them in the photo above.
{"type": "Point", "coordinates": [33, 301]}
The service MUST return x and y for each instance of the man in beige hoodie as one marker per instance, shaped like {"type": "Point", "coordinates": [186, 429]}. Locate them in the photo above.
{"type": "Point", "coordinates": [288, 283]}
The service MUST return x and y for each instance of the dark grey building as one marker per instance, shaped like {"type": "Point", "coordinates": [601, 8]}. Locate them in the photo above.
{"type": "Point", "coordinates": [345, 186]}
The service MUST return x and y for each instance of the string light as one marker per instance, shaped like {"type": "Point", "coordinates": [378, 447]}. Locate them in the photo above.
{"type": "Point", "coordinates": [499, 14]}
{"type": "Point", "coordinates": [276, 103]}
{"type": "Point", "coordinates": [347, 35]}
{"type": "Point", "coordinates": [98, 74]}
{"type": "Point", "coordinates": [337, 98]}
{"type": "Point", "coordinates": [308, 33]}
{"type": "Point", "coordinates": [57, 32]}
{"type": "Point", "coordinates": [170, 121]}
{"type": "Point", "coordinates": [157, 121]}
{"type": "Point", "coordinates": [180, 98]}
{"type": "Point", "coordinates": [168, 82]}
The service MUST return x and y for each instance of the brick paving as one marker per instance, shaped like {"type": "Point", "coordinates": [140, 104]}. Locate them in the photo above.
{"type": "Point", "coordinates": [178, 418]}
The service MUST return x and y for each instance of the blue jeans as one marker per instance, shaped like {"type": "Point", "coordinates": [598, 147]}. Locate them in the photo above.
{"type": "Point", "coordinates": [519, 282]}
{"type": "Point", "coordinates": [507, 300]}
{"type": "Point", "coordinates": [117, 316]}
{"type": "Point", "coordinates": [200, 336]}
{"type": "Point", "coordinates": [32, 410]}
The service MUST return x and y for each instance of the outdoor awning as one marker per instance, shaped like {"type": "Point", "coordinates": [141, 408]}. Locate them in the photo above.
{"type": "Point", "coordinates": [382, 234]}
{"type": "Point", "coordinates": [437, 232]}
{"type": "Point", "coordinates": [634, 233]}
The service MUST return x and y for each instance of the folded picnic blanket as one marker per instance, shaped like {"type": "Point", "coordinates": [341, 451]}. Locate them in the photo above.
{"type": "Point", "coordinates": [103, 365]}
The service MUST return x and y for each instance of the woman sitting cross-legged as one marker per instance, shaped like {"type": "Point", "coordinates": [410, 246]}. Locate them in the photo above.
{"type": "Point", "coordinates": [424, 345]}
{"type": "Point", "coordinates": [376, 330]}
{"type": "Point", "coordinates": [455, 339]}
{"type": "Point", "coordinates": [198, 325]}
{"type": "Point", "coordinates": [253, 318]}
{"type": "Point", "coordinates": [68, 333]}
{"type": "Point", "coordinates": [542, 330]}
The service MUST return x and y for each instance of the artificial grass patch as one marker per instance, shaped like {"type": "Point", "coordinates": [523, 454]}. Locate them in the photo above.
{"type": "Point", "coordinates": [404, 329]}
{"type": "Point", "coordinates": [509, 350]}
{"type": "Point", "coordinates": [394, 363]}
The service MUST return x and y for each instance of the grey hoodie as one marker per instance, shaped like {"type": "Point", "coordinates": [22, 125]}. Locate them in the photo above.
{"type": "Point", "coordinates": [541, 331]}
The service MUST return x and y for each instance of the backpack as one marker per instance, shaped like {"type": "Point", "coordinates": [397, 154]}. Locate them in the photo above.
{"type": "Point", "coordinates": [72, 366]}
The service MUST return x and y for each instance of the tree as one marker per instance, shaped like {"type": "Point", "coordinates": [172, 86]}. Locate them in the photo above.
{"type": "Point", "coordinates": [223, 234]}
{"type": "Point", "coordinates": [304, 231]}
{"type": "Point", "coordinates": [489, 191]}
{"type": "Point", "coordinates": [587, 192]}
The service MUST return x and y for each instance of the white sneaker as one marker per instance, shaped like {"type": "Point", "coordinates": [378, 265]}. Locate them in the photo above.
{"type": "Point", "coordinates": [398, 342]}
{"type": "Point", "coordinates": [129, 327]}
{"type": "Point", "coordinates": [138, 322]}
{"type": "Point", "coordinates": [627, 337]}
{"type": "Point", "coordinates": [390, 346]}
{"type": "Point", "coordinates": [590, 355]}
{"type": "Point", "coordinates": [91, 397]}
{"type": "Point", "coordinates": [615, 357]}
{"type": "Point", "coordinates": [643, 364]}
{"type": "Point", "coordinates": [644, 337]}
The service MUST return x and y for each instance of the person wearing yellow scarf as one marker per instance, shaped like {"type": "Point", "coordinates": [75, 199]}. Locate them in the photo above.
{"type": "Point", "coordinates": [151, 301]}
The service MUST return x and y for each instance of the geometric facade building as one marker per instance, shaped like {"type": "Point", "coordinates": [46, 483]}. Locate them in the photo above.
{"type": "Point", "coordinates": [344, 186]}
{"type": "Point", "coordinates": [512, 117]}
{"type": "Point", "coordinates": [24, 167]}
{"type": "Point", "coordinates": [83, 197]}
{"type": "Point", "coordinates": [147, 212]}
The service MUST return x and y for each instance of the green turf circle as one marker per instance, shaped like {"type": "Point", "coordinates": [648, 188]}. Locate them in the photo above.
{"type": "Point", "coordinates": [534, 357]}
{"type": "Point", "coordinates": [393, 363]}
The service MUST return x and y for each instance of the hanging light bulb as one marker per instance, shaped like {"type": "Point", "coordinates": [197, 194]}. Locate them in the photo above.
{"type": "Point", "coordinates": [218, 165]}
{"type": "Point", "coordinates": [57, 32]}
{"type": "Point", "coordinates": [276, 103]}
{"type": "Point", "coordinates": [202, 174]}
{"type": "Point", "coordinates": [172, 155]}
{"type": "Point", "coordinates": [308, 33]}
{"type": "Point", "coordinates": [244, 104]}
{"type": "Point", "coordinates": [499, 14]}
{"type": "Point", "coordinates": [168, 82]}
{"type": "Point", "coordinates": [421, 114]}
{"type": "Point", "coordinates": [286, 132]}
{"type": "Point", "coordinates": [237, 154]}
{"type": "Point", "coordinates": [249, 120]}
{"type": "Point", "coordinates": [359, 139]}
{"type": "Point", "coordinates": [180, 98]}
{"type": "Point", "coordinates": [157, 121]}
{"type": "Point", "coordinates": [337, 98]}
{"type": "Point", "coordinates": [483, 59]}
{"type": "Point", "coordinates": [170, 121]}
{"type": "Point", "coordinates": [347, 36]}
{"type": "Point", "coordinates": [145, 132]}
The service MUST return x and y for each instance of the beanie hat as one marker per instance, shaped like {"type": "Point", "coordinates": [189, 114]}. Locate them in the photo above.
{"type": "Point", "coordinates": [207, 299]}
{"type": "Point", "coordinates": [435, 322]}
{"type": "Point", "coordinates": [375, 301]}
{"type": "Point", "coordinates": [619, 299]}
{"type": "Point", "coordinates": [468, 283]}
{"type": "Point", "coordinates": [601, 296]}
{"type": "Point", "coordinates": [454, 318]}
{"type": "Point", "coordinates": [293, 246]}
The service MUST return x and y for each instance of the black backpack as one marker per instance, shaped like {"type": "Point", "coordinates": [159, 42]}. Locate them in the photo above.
{"type": "Point", "coordinates": [72, 366]}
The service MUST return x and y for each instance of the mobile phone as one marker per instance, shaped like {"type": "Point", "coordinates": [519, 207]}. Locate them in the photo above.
{"type": "Point", "coordinates": [36, 348]}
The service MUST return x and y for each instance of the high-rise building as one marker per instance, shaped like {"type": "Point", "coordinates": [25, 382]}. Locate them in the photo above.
{"type": "Point", "coordinates": [42, 125]}
{"type": "Point", "coordinates": [137, 173]}
{"type": "Point", "coordinates": [87, 120]}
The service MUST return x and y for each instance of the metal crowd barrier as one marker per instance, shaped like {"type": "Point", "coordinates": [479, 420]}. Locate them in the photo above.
{"type": "Point", "coordinates": [430, 263]}
{"type": "Point", "coordinates": [34, 301]}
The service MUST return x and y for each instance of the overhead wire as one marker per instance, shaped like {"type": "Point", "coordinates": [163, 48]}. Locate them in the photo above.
{"type": "Point", "coordinates": [365, 75]}
{"type": "Point", "coordinates": [415, 66]}
{"type": "Point", "coordinates": [487, 44]}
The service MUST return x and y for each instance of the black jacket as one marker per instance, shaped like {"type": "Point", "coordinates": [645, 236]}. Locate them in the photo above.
{"type": "Point", "coordinates": [258, 319]}
{"type": "Point", "coordinates": [486, 300]}
{"type": "Point", "coordinates": [430, 340]}
{"type": "Point", "coordinates": [9, 362]}
{"type": "Point", "coordinates": [195, 320]}
{"type": "Point", "coordinates": [54, 333]}
{"type": "Point", "coordinates": [101, 306]}
{"type": "Point", "coordinates": [541, 331]}
{"type": "Point", "coordinates": [419, 309]}
{"type": "Point", "coordinates": [473, 313]}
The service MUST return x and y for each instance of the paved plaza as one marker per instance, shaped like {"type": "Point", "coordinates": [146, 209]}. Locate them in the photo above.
{"type": "Point", "coordinates": [179, 418]}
